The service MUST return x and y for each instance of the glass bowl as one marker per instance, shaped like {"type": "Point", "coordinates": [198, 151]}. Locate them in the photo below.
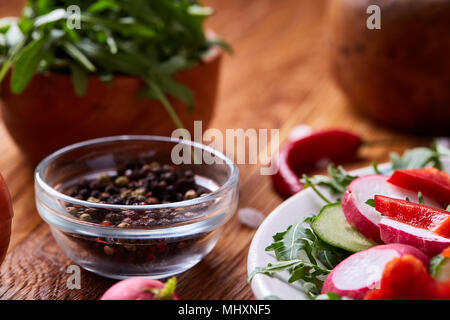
{"type": "Point", "coordinates": [183, 232]}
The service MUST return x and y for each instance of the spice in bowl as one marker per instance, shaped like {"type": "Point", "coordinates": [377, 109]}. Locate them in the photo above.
{"type": "Point", "coordinates": [136, 184]}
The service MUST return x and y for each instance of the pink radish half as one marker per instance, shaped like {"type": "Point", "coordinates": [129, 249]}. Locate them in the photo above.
{"type": "Point", "coordinates": [362, 271]}
{"type": "Point", "coordinates": [396, 232]}
{"type": "Point", "coordinates": [139, 288]}
{"type": "Point", "coordinates": [363, 216]}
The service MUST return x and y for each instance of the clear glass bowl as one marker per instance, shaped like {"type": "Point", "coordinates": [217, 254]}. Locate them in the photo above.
{"type": "Point", "coordinates": [159, 251]}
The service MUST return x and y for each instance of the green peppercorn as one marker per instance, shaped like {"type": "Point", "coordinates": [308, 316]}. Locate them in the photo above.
{"type": "Point", "coordinates": [86, 217]}
{"type": "Point", "coordinates": [93, 199]}
{"type": "Point", "coordinates": [104, 178]}
{"type": "Point", "coordinates": [138, 192]}
{"type": "Point", "coordinates": [156, 166]}
{"type": "Point", "coordinates": [190, 194]}
{"type": "Point", "coordinates": [72, 210]}
{"type": "Point", "coordinates": [123, 225]}
{"type": "Point", "coordinates": [108, 250]}
{"type": "Point", "coordinates": [126, 194]}
{"type": "Point", "coordinates": [130, 247]}
{"type": "Point", "coordinates": [121, 181]}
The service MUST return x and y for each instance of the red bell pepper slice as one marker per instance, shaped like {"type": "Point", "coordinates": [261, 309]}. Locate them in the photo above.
{"type": "Point", "coordinates": [446, 253]}
{"type": "Point", "coordinates": [415, 214]}
{"type": "Point", "coordinates": [6, 214]}
{"type": "Point", "coordinates": [430, 181]}
{"type": "Point", "coordinates": [295, 157]}
{"type": "Point", "coordinates": [407, 278]}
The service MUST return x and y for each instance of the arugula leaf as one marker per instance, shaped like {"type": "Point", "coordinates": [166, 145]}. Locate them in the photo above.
{"type": "Point", "coordinates": [337, 181]}
{"type": "Point", "coordinates": [103, 5]}
{"type": "Point", "coordinates": [152, 40]}
{"type": "Point", "coordinates": [26, 64]}
{"type": "Point", "coordinates": [287, 244]}
{"type": "Point", "coordinates": [420, 198]}
{"type": "Point", "coordinates": [309, 184]}
{"type": "Point", "coordinates": [4, 29]}
{"type": "Point", "coordinates": [307, 258]}
{"type": "Point", "coordinates": [420, 157]}
{"type": "Point", "coordinates": [370, 202]}
{"type": "Point", "coordinates": [375, 167]}
{"type": "Point", "coordinates": [79, 79]}
{"type": "Point", "coordinates": [435, 264]}
{"type": "Point", "coordinates": [79, 56]}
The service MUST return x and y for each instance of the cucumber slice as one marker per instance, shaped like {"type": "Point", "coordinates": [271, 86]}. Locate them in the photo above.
{"type": "Point", "coordinates": [332, 227]}
{"type": "Point", "coordinates": [440, 268]}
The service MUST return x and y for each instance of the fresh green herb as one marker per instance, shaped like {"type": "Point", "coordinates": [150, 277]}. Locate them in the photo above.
{"type": "Point", "coordinates": [26, 63]}
{"type": "Point", "coordinates": [448, 208]}
{"type": "Point", "coordinates": [309, 184]}
{"type": "Point", "coordinates": [306, 258]}
{"type": "Point", "coordinates": [371, 202]}
{"type": "Point", "coordinates": [375, 167]}
{"type": "Point", "coordinates": [435, 264]}
{"type": "Point", "coordinates": [420, 157]}
{"type": "Point", "coordinates": [152, 40]}
{"type": "Point", "coordinates": [337, 181]}
{"type": "Point", "coordinates": [420, 198]}
{"type": "Point", "coordinates": [79, 79]}
{"type": "Point", "coordinates": [166, 293]}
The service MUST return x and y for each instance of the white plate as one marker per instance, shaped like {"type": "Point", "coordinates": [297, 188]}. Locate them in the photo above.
{"type": "Point", "coordinates": [291, 211]}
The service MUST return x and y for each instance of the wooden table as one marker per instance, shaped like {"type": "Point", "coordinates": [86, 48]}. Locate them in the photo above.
{"type": "Point", "coordinates": [277, 78]}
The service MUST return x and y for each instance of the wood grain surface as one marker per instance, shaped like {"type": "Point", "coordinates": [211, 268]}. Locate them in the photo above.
{"type": "Point", "coordinates": [276, 78]}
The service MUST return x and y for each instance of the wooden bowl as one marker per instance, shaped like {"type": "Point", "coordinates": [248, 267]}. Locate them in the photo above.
{"type": "Point", "coordinates": [49, 115]}
{"type": "Point", "coordinates": [398, 75]}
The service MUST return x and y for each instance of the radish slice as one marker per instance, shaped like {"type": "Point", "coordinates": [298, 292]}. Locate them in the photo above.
{"type": "Point", "coordinates": [363, 216]}
{"type": "Point", "coordinates": [362, 271]}
{"type": "Point", "coordinates": [428, 242]}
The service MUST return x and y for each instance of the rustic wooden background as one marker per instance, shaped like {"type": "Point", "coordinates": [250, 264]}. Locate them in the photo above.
{"type": "Point", "coordinates": [277, 78]}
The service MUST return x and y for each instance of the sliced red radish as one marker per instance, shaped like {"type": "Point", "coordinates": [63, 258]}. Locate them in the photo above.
{"type": "Point", "coordinates": [363, 216]}
{"type": "Point", "coordinates": [295, 157]}
{"type": "Point", "coordinates": [139, 288]}
{"type": "Point", "coordinates": [362, 271]}
{"type": "Point", "coordinates": [396, 232]}
{"type": "Point", "coordinates": [6, 214]}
